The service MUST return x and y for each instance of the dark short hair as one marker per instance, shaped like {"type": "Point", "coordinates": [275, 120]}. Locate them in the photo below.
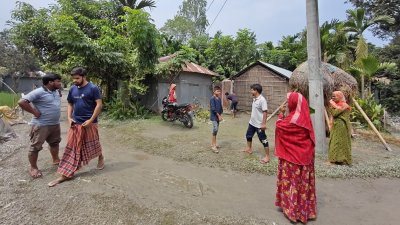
{"type": "Point", "coordinates": [79, 71]}
{"type": "Point", "coordinates": [50, 77]}
{"type": "Point", "coordinates": [216, 88]}
{"type": "Point", "coordinates": [256, 87]}
{"type": "Point", "coordinates": [226, 93]}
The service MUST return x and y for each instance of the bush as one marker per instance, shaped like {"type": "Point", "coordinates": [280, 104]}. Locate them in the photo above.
{"type": "Point", "coordinates": [203, 114]}
{"type": "Point", "coordinates": [117, 109]}
{"type": "Point", "coordinates": [390, 96]}
{"type": "Point", "coordinates": [373, 110]}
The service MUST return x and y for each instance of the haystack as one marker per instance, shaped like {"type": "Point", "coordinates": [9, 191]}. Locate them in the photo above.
{"type": "Point", "coordinates": [6, 132]}
{"type": "Point", "coordinates": [334, 79]}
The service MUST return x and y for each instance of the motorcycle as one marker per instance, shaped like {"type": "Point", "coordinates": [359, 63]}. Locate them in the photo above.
{"type": "Point", "coordinates": [182, 112]}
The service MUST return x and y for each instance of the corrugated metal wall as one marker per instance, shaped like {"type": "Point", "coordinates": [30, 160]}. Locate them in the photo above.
{"type": "Point", "coordinates": [274, 87]}
{"type": "Point", "coordinates": [189, 87]}
{"type": "Point", "coordinates": [22, 85]}
{"type": "Point", "coordinates": [193, 86]}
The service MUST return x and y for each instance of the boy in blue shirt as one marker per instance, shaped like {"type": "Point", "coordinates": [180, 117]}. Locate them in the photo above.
{"type": "Point", "coordinates": [215, 116]}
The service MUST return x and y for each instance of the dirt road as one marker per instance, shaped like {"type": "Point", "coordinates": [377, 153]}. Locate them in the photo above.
{"type": "Point", "coordinates": [141, 188]}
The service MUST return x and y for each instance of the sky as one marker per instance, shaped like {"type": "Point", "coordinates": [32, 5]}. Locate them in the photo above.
{"type": "Point", "coordinates": [268, 19]}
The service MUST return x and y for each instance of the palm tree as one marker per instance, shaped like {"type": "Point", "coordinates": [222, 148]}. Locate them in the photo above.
{"type": "Point", "coordinates": [357, 23]}
{"type": "Point", "coordinates": [334, 43]}
{"type": "Point", "coordinates": [368, 67]}
{"type": "Point", "coordinates": [134, 4]}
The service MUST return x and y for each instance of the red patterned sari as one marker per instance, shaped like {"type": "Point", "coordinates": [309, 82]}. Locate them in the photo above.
{"type": "Point", "coordinates": [294, 146]}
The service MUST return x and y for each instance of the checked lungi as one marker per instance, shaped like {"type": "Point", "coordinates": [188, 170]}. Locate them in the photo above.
{"type": "Point", "coordinates": [82, 145]}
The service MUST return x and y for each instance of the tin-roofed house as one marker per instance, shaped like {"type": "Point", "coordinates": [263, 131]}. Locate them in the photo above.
{"type": "Point", "coordinates": [273, 79]}
{"type": "Point", "coordinates": [193, 85]}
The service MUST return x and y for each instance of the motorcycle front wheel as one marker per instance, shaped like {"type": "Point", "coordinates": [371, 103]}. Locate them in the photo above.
{"type": "Point", "coordinates": [188, 121]}
{"type": "Point", "coordinates": [164, 116]}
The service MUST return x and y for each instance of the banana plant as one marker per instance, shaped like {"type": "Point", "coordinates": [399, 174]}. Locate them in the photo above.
{"type": "Point", "coordinates": [367, 68]}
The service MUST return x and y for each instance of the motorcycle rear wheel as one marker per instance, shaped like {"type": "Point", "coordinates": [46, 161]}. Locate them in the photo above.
{"type": "Point", "coordinates": [188, 121]}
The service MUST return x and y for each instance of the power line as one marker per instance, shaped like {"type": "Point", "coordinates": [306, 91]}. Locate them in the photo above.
{"type": "Point", "coordinates": [210, 5]}
{"type": "Point", "coordinates": [217, 15]}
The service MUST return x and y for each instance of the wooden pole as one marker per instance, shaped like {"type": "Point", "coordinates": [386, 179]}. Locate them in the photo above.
{"type": "Point", "coordinates": [276, 111]}
{"type": "Point", "coordinates": [327, 119]}
{"type": "Point", "coordinates": [372, 125]}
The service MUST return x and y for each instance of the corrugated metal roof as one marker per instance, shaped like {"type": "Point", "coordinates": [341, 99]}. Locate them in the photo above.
{"type": "Point", "coordinates": [194, 68]}
{"type": "Point", "coordinates": [190, 66]}
{"type": "Point", "coordinates": [284, 72]}
{"type": "Point", "coordinates": [278, 70]}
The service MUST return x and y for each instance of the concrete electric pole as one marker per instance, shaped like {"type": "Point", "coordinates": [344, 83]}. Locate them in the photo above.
{"type": "Point", "coordinates": [316, 99]}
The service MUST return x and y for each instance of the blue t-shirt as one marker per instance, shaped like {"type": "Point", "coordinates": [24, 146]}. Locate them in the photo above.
{"type": "Point", "coordinates": [215, 107]}
{"type": "Point", "coordinates": [84, 101]}
{"type": "Point", "coordinates": [48, 103]}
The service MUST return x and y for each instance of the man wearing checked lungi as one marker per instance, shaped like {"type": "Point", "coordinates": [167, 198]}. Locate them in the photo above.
{"type": "Point", "coordinates": [84, 106]}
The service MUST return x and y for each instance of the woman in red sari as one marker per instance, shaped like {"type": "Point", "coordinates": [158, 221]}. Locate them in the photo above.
{"type": "Point", "coordinates": [294, 146]}
{"type": "Point", "coordinates": [172, 94]}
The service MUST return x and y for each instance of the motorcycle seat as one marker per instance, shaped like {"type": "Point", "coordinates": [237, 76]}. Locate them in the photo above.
{"type": "Point", "coordinates": [183, 105]}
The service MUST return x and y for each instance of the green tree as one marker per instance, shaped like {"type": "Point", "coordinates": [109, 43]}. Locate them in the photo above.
{"type": "Point", "coordinates": [200, 44]}
{"type": "Point", "coordinates": [180, 28]}
{"type": "Point", "coordinates": [13, 59]}
{"type": "Point", "coordinates": [190, 21]}
{"type": "Point", "coordinates": [335, 44]}
{"type": "Point", "coordinates": [195, 11]}
{"type": "Point", "coordinates": [245, 51]}
{"type": "Point", "coordinates": [220, 54]}
{"type": "Point", "coordinates": [134, 4]}
{"type": "Point", "coordinates": [290, 52]}
{"type": "Point", "coordinates": [357, 23]}
{"type": "Point", "coordinates": [263, 48]}
{"type": "Point", "coordinates": [377, 8]}
{"type": "Point", "coordinates": [30, 30]}
{"type": "Point", "coordinates": [167, 45]}
{"type": "Point", "coordinates": [85, 33]}
{"type": "Point", "coordinates": [389, 93]}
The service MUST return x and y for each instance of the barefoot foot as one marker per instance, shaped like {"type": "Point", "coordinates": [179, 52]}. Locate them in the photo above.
{"type": "Point", "coordinates": [214, 149]}
{"type": "Point", "coordinates": [264, 160]}
{"type": "Point", "coordinates": [58, 181]}
{"type": "Point", "coordinates": [56, 162]}
{"type": "Point", "coordinates": [35, 173]}
{"type": "Point", "coordinates": [248, 151]}
{"type": "Point", "coordinates": [100, 163]}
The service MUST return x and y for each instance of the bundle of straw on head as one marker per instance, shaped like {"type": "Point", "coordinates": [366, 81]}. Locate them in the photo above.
{"type": "Point", "coordinates": [299, 81]}
{"type": "Point", "coordinates": [334, 79]}
{"type": "Point", "coordinates": [343, 82]}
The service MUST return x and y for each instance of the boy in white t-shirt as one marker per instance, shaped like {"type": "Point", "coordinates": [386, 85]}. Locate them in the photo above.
{"type": "Point", "coordinates": [258, 121]}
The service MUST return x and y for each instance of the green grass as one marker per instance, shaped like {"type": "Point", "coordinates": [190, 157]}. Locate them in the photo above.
{"type": "Point", "coordinates": [8, 99]}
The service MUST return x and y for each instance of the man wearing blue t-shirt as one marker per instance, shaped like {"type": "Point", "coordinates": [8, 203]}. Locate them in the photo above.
{"type": "Point", "coordinates": [44, 103]}
{"type": "Point", "coordinates": [83, 144]}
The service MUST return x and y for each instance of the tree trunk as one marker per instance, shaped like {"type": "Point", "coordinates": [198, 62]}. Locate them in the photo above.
{"type": "Point", "coordinates": [362, 86]}
{"type": "Point", "coordinates": [111, 86]}
{"type": "Point", "coordinates": [124, 93]}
